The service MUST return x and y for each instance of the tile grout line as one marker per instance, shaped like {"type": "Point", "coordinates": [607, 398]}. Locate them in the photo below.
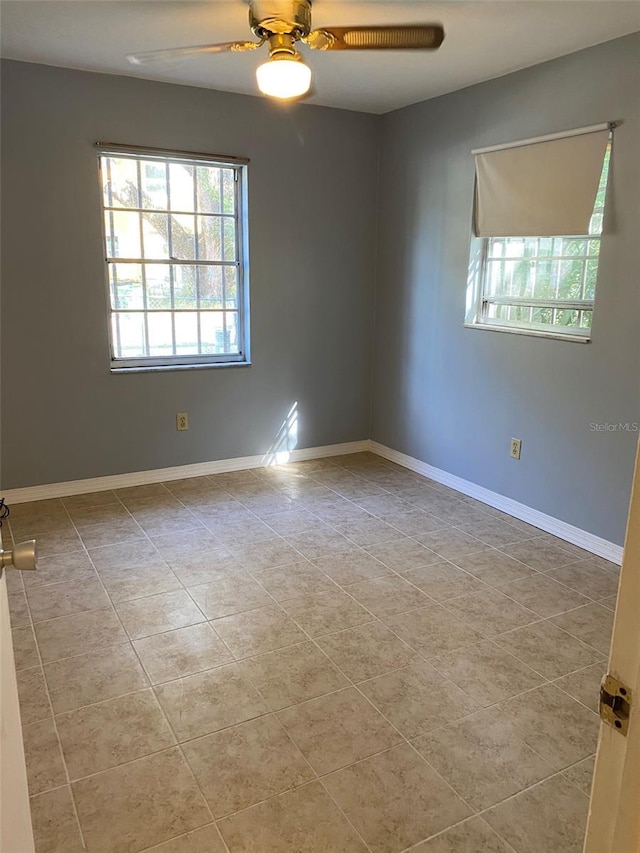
{"type": "Point", "coordinates": [414, 847]}
{"type": "Point", "coordinates": [160, 844]}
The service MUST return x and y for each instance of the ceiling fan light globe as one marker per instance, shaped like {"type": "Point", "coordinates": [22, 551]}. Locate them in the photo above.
{"type": "Point", "coordinates": [283, 78]}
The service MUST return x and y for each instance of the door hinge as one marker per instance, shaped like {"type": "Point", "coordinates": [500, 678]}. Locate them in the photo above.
{"type": "Point", "coordinates": [615, 704]}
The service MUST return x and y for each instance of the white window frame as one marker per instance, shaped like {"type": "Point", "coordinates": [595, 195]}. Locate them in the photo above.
{"type": "Point", "coordinates": [478, 302]}
{"type": "Point", "coordinates": [202, 360]}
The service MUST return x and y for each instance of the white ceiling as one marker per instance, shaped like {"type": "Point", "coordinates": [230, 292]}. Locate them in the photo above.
{"type": "Point", "coordinates": [484, 39]}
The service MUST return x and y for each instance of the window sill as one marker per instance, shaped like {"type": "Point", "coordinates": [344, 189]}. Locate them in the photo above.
{"type": "Point", "coordinates": [163, 368]}
{"type": "Point", "coordinates": [534, 333]}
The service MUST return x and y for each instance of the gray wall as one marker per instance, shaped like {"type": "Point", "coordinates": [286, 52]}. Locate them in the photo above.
{"type": "Point", "coordinates": [312, 189]}
{"type": "Point", "coordinates": [447, 395]}
{"type": "Point", "coordinates": [453, 397]}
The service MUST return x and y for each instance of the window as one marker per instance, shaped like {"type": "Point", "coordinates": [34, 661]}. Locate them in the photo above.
{"type": "Point", "coordinates": [541, 285]}
{"type": "Point", "coordinates": [176, 249]}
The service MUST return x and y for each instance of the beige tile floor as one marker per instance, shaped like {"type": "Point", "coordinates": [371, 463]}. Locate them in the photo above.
{"type": "Point", "coordinates": [336, 655]}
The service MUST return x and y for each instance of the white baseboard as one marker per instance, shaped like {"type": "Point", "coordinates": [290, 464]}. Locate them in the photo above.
{"type": "Point", "coordinates": [180, 472]}
{"type": "Point", "coordinates": [581, 538]}
{"type": "Point", "coordinates": [561, 529]}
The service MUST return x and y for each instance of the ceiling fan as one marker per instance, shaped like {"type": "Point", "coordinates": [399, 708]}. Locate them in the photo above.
{"type": "Point", "coordinates": [282, 23]}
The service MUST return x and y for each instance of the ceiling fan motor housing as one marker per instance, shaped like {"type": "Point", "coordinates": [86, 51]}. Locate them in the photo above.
{"type": "Point", "coordinates": [280, 17]}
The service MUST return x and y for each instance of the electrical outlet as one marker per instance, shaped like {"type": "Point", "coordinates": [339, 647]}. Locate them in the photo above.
{"type": "Point", "coordinates": [516, 445]}
{"type": "Point", "coordinates": [182, 421]}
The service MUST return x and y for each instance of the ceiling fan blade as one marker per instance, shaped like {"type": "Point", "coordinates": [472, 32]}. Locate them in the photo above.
{"type": "Point", "coordinates": [417, 37]}
{"type": "Point", "coordinates": [179, 52]}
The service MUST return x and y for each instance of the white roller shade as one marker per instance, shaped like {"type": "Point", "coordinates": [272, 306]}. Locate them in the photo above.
{"type": "Point", "coordinates": [539, 189]}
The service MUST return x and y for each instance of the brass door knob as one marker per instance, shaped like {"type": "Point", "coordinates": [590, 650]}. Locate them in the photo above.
{"type": "Point", "coordinates": [23, 557]}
